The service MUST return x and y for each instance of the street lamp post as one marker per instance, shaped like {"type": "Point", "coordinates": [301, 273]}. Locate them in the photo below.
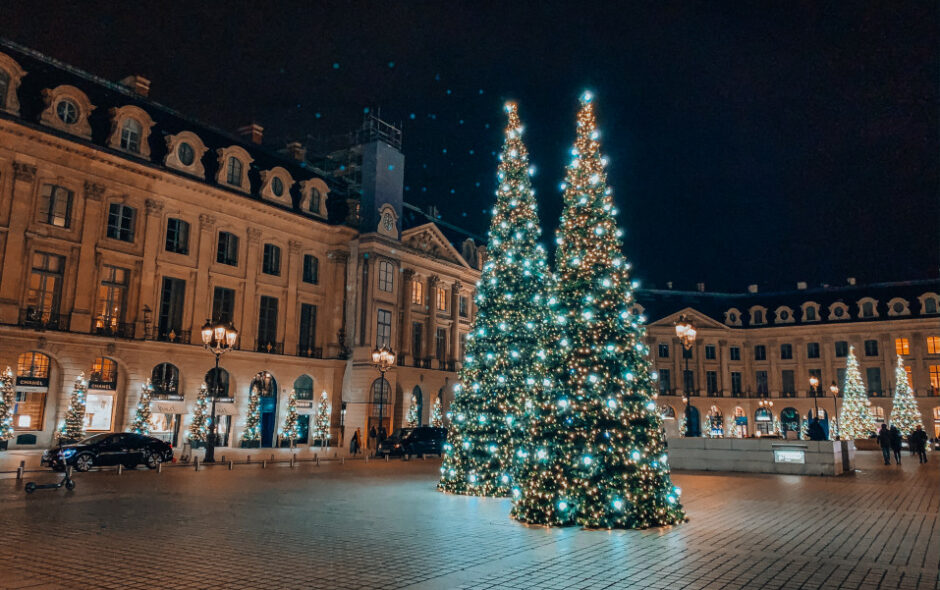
{"type": "Point", "coordinates": [834, 390]}
{"type": "Point", "coordinates": [814, 385]}
{"type": "Point", "coordinates": [686, 333]}
{"type": "Point", "coordinates": [383, 359]}
{"type": "Point", "coordinates": [218, 339]}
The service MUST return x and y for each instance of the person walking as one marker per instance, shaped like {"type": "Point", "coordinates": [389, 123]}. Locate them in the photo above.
{"type": "Point", "coordinates": [354, 443]}
{"type": "Point", "coordinates": [896, 443]}
{"type": "Point", "coordinates": [884, 441]}
{"type": "Point", "coordinates": [372, 435]}
{"type": "Point", "coordinates": [918, 442]}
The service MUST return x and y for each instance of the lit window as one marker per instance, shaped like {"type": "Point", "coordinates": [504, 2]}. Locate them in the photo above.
{"type": "Point", "coordinates": [902, 346]}
{"type": "Point", "coordinates": [442, 299]}
{"type": "Point", "coordinates": [386, 275]}
{"type": "Point", "coordinates": [55, 205]}
{"type": "Point", "coordinates": [933, 344]}
{"type": "Point", "coordinates": [935, 377]}
{"type": "Point", "coordinates": [417, 292]}
{"type": "Point", "coordinates": [910, 378]}
{"type": "Point", "coordinates": [111, 296]}
{"type": "Point", "coordinates": [130, 135]}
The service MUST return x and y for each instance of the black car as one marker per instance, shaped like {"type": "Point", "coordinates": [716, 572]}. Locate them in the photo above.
{"type": "Point", "coordinates": [110, 448]}
{"type": "Point", "coordinates": [423, 440]}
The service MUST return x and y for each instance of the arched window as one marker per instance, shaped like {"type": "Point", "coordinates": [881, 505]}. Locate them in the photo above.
{"type": "Point", "coordinates": [130, 135]}
{"type": "Point", "coordinates": [32, 382]}
{"type": "Point", "coordinates": [315, 200]}
{"type": "Point", "coordinates": [104, 374]}
{"type": "Point", "coordinates": [265, 384]}
{"type": "Point", "coordinates": [165, 379]}
{"type": "Point", "coordinates": [4, 87]}
{"type": "Point", "coordinates": [868, 309]}
{"type": "Point", "coordinates": [234, 174]}
{"type": "Point", "coordinates": [380, 397]}
{"type": "Point", "coordinates": [32, 365]}
{"type": "Point", "coordinates": [217, 382]}
{"type": "Point", "coordinates": [303, 387]}
{"type": "Point", "coordinates": [667, 412]}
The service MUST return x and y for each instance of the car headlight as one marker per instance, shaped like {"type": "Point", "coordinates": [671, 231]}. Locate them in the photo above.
{"type": "Point", "coordinates": [396, 446]}
{"type": "Point", "coordinates": [68, 453]}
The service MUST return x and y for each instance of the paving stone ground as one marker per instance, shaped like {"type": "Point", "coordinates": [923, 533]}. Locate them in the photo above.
{"type": "Point", "coordinates": [382, 525]}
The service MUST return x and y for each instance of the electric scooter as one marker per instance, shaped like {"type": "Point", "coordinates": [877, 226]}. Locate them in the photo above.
{"type": "Point", "coordinates": [67, 481]}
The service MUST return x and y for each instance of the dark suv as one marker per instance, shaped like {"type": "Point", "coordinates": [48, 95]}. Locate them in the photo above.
{"type": "Point", "coordinates": [109, 448]}
{"type": "Point", "coordinates": [423, 440]}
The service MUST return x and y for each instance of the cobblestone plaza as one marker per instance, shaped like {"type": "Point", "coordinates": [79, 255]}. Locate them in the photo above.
{"type": "Point", "coordinates": [382, 525]}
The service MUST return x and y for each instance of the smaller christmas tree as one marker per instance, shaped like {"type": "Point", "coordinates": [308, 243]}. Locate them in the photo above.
{"type": "Point", "coordinates": [322, 420]}
{"type": "Point", "coordinates": [142, 423]}
{"type": "Point", "coordinates": [253, 421]}
{"type": "Point", "coordinates": [437, 414]}
{"type": "Point", "coordinates": [855, 419]}
{"type": "Point", "coordinates": [904, 413]}
{"type": "Point", "coordinates": [804, 429]}
{"type": "Point", "coordinates": [200, 427]}
{"type": "Point", "coordinates": [411, 419]}
{"type": "Point", "coordinates": [289, 431]}
{"type": "Point", "coordinates": [778, 430]}
{"type": "Point", "coordinates": [7, 400]}
{"type": "Point", "coordinates": [74, 426]}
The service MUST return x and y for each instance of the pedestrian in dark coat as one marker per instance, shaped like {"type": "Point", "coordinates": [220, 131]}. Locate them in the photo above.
{"type": "Point", "coordinates": [918, 442]}
{"type": "Point", "coordinates": [896, 443]}
{"type": "Point", "coordinates": [884, 441]}
{"type": "Point", "coordinates": [354, 443]}
{"type": "Point", "coordinates": [372, 435]}
{"type": "Point", "coordinates": [815, 430]}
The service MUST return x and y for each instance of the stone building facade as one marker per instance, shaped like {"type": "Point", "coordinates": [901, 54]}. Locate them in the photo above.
{"type": "Point", "coordinates": [754, 353]}
{"type": "Point", "coordinates": [124, 226]}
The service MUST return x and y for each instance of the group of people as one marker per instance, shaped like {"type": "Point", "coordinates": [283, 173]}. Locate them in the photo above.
{"type": "Point", "coordinates": [889, 439]}
{"type": "Point", "coordinates": [375, 438]}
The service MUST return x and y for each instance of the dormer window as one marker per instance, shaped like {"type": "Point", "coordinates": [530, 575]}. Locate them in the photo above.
{"type": "Point", "coordinates": [810, 311]}
{"type": "Point", "coordinates": [838, 311]}
{"type": "Point", "coordinates": [867, 308]}
{"type": "Point", "coordinates": [184, 152]}
{"type": "Point", "coordinates": [313, 195]}
{"type": "Point", "coordinates": [733, 317]}
{"type": "Point", "coordinates": [784, 315]}
{"type": "Point", "coordinates": [10, 75]}
{"type": "Point", "coordinates": [233, 176]}
{"type": "Point", "coordinates": [898, 307]}
{"type": "Point", "coordinates": [758, 315]}
{"type": "Point", "coordinates": [314, 201]}
{"type": "Point", "coordinates": [130, 136]}
{"type": "Point", "coordinates": [275, 185]}
{"type": "Point", "coordinates": [67, 111]}
{"type": "Point", "coordinates": [929, 303]}
{"type": "Point", "coordinates": [233, 168]}
{"type": "Point", "coordinates": [130, 130]}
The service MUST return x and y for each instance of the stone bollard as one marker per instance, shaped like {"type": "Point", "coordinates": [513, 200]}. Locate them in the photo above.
{"type": "Point", "coordinates": [160, 467]}
{"type": "Point", "coordinates": [196, 463]}
{"type": "Point", "coordinates": [223, 458]}
{"type": "Point", "coordinates": [272, 457]}
{"type": "Point", "coordinates": [230, 464]}
{"type": "Point", "coordinates": [292, 462]}
{"type": "Point", "coordinates": [19, 472]}
{"type": "Point", "coordinates": [264, 464]}
{"type": "Point", "coordinates": [386, 458]}
{"type": "Point", "coordinates": [120, 469]}
{"type": "Point", "coordinates": [248, 459]}
{"type": "Point", "coordinates": [317, 459]}
{"type": "Point", "coordinates": [342, 461]}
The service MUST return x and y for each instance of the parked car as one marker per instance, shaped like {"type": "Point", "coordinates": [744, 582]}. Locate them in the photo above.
{"type": "Point", "coordinates": [110, 448]}
{"type": "Point", "coordinates": [423, 440]}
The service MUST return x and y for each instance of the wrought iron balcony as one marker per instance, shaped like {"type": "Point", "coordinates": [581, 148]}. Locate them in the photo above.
{"type": "Point", "coordinates": [106, 327]}
{"type": "Point", "coordinates": [269, 347]}
{"type": "Point", "coordinates": [173, 335]}
{"type": "Point", "coordinates": [39, 319]}
{"type": "Point", "coordinates": [309, 352]}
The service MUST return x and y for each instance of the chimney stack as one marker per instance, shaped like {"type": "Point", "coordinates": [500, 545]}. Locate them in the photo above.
{"type": "Point", "coordinates": [700, 287]}
{"type": "Point", "coordinates": [137, 83]}
{"type": "Point", "coordinates": [252, 133]}
{"type": "Point", "coordinates": [851, 281]}
{"type": "Point", "coordinates": [669, 285]}
{"type": "Point", "coordinates": [801, 286]}
{"type": "Point", "coordinates": [752, 288]}
{"type": "Point", "coordinates": [296, 151]}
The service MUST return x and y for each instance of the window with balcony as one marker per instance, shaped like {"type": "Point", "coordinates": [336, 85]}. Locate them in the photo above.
{"type": "Point", "coordinates": [177, 236]}
{"type": "Point", "coordinates": [386, 276]}
{"type": "Point", "coordinates": [711, 382]}
{"type": "Point", "coordinates": [307, 345]}
{"type": "Point", "coordinates": [311, 269]}
{"type": "Point", "coordinates": [383, 331]}
{"type": "Point", "coordinates": [871, 348]}
{"type": "Point", "coordinates": [227, 251]}
{"type": "Point", "coordinates": [788, 383]}
{"type": "Point", "coordinates": [688, 381]}
{"type": "Point", "coordinates": [170, 318]}
{"type": "Point", "coordinates": [812, 350]}
{"type": "Point", "coordinates": [440, 344]}
{"type": "Point", "coordinates": [736, 388]}
{"type": "Point", "coordinates": [121, 222]}
{"type": "Point", "coordinates": [873, 377]}
{"type": "Point", "coordinates": [762, 385]}
{"type": "Point", "coordinates": [112, 293]}
{"type": "Point", "coordinates": [267, 325]}
{"type": "Point", "coordinates": [45, 289]}
{"type": "Point", "coordinates": [55, 205]}
{"type": "Point", "coordinates": [417, 335]}
{"type": "Point", "coordinates": [271, 260]}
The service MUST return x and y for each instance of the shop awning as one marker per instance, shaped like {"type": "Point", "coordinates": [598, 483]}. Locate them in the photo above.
{"type": "Point", "coordinates": [161, 407]}
{"type": "Point", "coordinates": [227, 409]}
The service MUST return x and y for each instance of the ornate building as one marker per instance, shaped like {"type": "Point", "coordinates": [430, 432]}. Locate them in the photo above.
{"type": "Point", "coordinates": [754, 353]}
{"type": "Point", "coordinates": [124, 225]}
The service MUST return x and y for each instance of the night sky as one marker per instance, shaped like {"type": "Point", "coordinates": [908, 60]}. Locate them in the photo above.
{"type": "Point", "coordinates": [766, 144]}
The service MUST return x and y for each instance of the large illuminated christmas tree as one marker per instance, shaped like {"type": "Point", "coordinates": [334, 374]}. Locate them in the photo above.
{"type": "Point", "coordinates": [7, 401]}
{"type": "Point", "coordinates": [904, 412]}
{"type": "Point", "coordinates": [595, 454]}
{"type": "Point", "coordinates": [142, 423]}
{"type": "Point", "coordinates": [855, 420]}
{"type": "Point", "coordinates": [74, 426]}
{"type": "Point", "coordinates": [199, 428]}
{"type": "Point", "coordinates": [321, 424]}
{"type": "Point", "coordinates": [252, 434]}
{"type": "Point", "coordinates": [289, 431]}
{"type": "Point", "coordinates": [504, 347]}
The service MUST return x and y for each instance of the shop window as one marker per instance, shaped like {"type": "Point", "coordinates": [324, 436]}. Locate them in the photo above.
{"type": "Point", "coordinates": [104, 374]}
{"type": "Point", "coordinates": [902, 346]}
{"type": "Point", "coordinates": [878, 413]}
{"type": "Point", "coordinates": [177, 236]}
{"type": "Point", "coordinates": [667, 412]}
{"type": "Point", "coordinates": [303, 387]}
{"type": "Point", "coordinates": [165, 379]}
{"type": "Point", "coordinates": [311, 272]}
{"type": "Point", "coordinates": [386, 276]}
{"type": "Point", "coordinates": [55, 205]}
{"type": "Point", "coordinates": [31, 388]}
{"type": "Point", "coordinates": [227, 252]}
{"type": "Point", "coordinates": [271, 260]}
{"type": "Point", "coordinates": [121, 222]}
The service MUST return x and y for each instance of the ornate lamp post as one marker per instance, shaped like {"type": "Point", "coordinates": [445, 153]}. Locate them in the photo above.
{"type": "Point", "coordinates": [218, 339]}
{"type": "Point", "coordinates": [383, 359]}
{"type": "Point", "coordinates": [834, 390]}
{"type": "Point", "coordinates": [686, 333]}
{"type": "Point", "coordinates": [814, 385]}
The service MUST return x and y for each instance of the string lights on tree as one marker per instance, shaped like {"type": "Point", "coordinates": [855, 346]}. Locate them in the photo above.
{"type": "Point", "coordinates": [504, 355]}
{"type": "Point", "coordinates": [74, 426]}
{"type": "Point", "coordinates": [199, 427]}
{"type": "Point", "coordinates": [7, 401]}
{"type": "Point", "coordinates": [855, 420]}
{"type": "Point", "coordinates": [595, 453]}
{"type": "Point", "coordinates": [142, 423]}
{"type": "Point", "coordinates": [904, 412]}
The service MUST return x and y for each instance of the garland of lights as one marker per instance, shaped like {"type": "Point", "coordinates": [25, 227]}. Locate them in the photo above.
{"type": "Point", "coordinates": [595, 453]}
{"type": "Point", "coordinates": [505, 352]}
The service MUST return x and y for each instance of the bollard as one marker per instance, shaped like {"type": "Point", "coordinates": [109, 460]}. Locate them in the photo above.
{"type": "Point", "coordinates": [342, 461]}
{"type": "Point", "coordinates": [264, 464]}
{"type": "Point", "coordinates": [223, 458]}
{"type": "Point", "coordinates": [272, 457]}
{"type": "Point", "coordinates": [196, 463]}
{"type": "Point", "coordinates": [386, 458]}
{"type": "Point", "coordinates": [292, 462]}
{"type": "Point", "coordinates": [230, 463]}
{"type": "Point", "coordinates": [317, 458]}
{"type": "Point", "coordinates": [19, 472]}
{"type": "Point", "coordinates": [120, 469]}
{"type": "Point", "coordinates": [160, 467]}
{"type": "Point", "coordinates": [248, 459]}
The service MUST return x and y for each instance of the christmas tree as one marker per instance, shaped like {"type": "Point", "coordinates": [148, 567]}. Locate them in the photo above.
{"type": "Point", "coordinates": [904, 413]}
{"type": "Point", "coordinates": [74, 426]}
{"type": "Point", "coordinates": [855, 420]}
{"type": "Point", "coordinates": [411, 419]}
{"type": "Point", "coordinates": [289, 431]}
{"type": "Point", "coordinates": [253, 421]}
{"type": "Point", "coordinates": [437, 415]}
{"type": "Point", "coordinates": [141, 423]}
{"type": "Point", "coordinates": [595, 454]}
{"type": "Point", "coordinates": [7, 401]}
{"type": "Point", "coordinates": [199, 427]}
{"type": "Point", "coordinates": [505, 350]}
{"type": "Point", "coordinates": [322, 420]}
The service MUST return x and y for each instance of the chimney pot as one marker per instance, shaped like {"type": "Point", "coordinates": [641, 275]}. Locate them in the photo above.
{"type": "Point", "coordinates": [851, 280]}
{"type": "Point", "coordinates": [801, 285]}
{"type": "Point", "coordinates": [137, 83]}
{"type": "Point", "coordinates": [669, 285]}
{"type": "Point", "coordinates": [752, 288]}
{"type": "Point", "coordinates": [700, 287]}
{"type": "Point", "coordinates": [251, 132]}
{"type": "Point", "coordinates": [296, 151]}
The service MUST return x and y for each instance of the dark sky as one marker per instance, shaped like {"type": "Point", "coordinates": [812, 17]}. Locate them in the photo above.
{"type": "Point", "coordinates": [763, 142]}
